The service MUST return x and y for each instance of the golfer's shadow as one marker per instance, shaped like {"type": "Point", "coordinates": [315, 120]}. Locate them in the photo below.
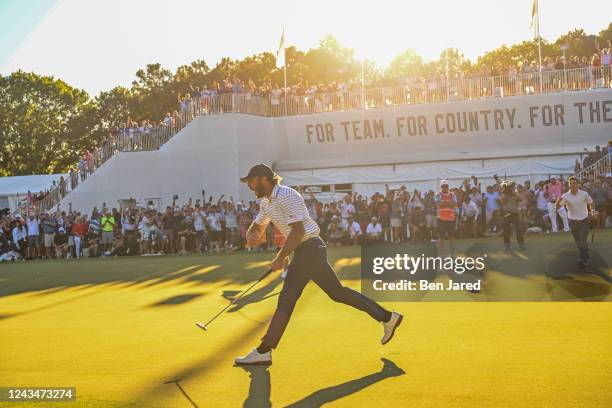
{"type": "Point", "coordinates": [257, 296]}
{"type": "Point", "coordinates": [259, 388]}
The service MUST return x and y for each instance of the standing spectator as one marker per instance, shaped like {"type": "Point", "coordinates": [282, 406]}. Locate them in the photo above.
{"type": "Point", "coordinates": [49, 226]}
{"type": "Point", "coordinates": [33, 224]}
{"type": "Point", "coordinates": [216, 230]}
{"type": "Point", "coordinates": [107, 223]}
{"type": "Point", "coordinates": [354, 231]}
{"type": "Point", "coordinates": [94, 234]}
{"type": "Point", "coordinates": [418, 225]}
{"type": "Point", "coordinates": [186, 233]}
{"type": "Point", "coordinates": [491, 199]}
{"type": "Point", "coordinates": [469, 215]}
{"type": "Point", "coordinates": [199, 224]}
{"type": "Point", "coordinates": [446, 202]}
{"type": "Point", "coordinates": [347, 209]}
{"type": "Point", "coordinates": [476, 197]}
{"type": "Point", "coordinates": [60, 240]}
{"type": "Point", "coordinates": [168, 228]}
{"type": "Point", "coordinates": [20, 236]}
{"type": "Point", "coordinates": [541, 204]}
{"type": "Point", "coordinates": [397, 217]}
{"type": "Point", "coordinates": [600, 192]}
{"type": "Point", "coordinates": [578, 203]}
{"type": "Point", "coordinates": [79, 229]}
{"type": "Point", "coordinates": [431, 211]}
{"type": "Point", "coordinates": [231, 225]}
{"type": "Point", "coordinates": [553, 191]}
{"type": "Point", "coordinates": [510, 213]}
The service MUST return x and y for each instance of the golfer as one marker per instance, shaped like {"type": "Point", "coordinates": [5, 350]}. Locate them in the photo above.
{"type": "Point", "coordinates": [578, 203]}
{"type": "Point", "coordinates": [285, 208]}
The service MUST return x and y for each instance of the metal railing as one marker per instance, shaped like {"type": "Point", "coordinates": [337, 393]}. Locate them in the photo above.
{"type": "Point", "coordinates": [601, 167]}
{"type": "Point", "coordinates": [276, 104]}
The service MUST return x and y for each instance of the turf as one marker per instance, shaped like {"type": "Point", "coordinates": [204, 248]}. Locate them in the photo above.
{"type": "Point", "coordinates": [122, 332]}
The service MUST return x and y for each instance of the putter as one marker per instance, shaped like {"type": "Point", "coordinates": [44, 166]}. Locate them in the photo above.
{"type": "Point", "coordinates": [205, 326]}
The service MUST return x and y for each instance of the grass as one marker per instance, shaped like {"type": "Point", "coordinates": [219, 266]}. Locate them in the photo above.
{"type": "Point", "coordinates": [122, 332]}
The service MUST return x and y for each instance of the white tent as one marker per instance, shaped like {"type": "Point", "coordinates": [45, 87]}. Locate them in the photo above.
{"type": "Point", "coordinates": [15, 188]}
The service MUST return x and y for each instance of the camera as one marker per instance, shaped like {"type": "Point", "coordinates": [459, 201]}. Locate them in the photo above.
{"type": "Point", "coordinates": [175, 197]}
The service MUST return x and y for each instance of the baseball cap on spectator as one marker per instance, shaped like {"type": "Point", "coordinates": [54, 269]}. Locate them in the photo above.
{"type": "Point", "coordinates": [259, 170]}
{"type": "Point", "coordinates": [443, 183]}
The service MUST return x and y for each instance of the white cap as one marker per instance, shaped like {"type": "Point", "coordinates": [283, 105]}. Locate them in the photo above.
{"type": "Point", "coordinates": [443, 182]}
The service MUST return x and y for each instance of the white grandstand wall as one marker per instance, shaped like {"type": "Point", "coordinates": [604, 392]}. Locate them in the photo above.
{"type": "Point", "coordinates": [212, 152]}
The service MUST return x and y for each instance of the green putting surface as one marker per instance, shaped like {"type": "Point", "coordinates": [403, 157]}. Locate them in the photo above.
{"type": "Point", "coordinates": [122, 332]}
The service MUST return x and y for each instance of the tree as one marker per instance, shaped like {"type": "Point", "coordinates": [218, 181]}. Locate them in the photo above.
{"type": "Point", "coordinates": [579, 43]}
{"type": "Point", "coordinates": [187, 77]}
{"type": "Point", "coordinates": [111, 109]}
{"type": "Point", "coordinates": [153, 93]}
{"type": "Point", "coordinates": [330, 62]}
{"type": "Point", "coordinates": [43, 124]}
{"type": "Point", "coordinates": [503, 57]}
{"type": "Point", "coordinates": [256, 67]}
{"type": "Point", "coordinates": [406, 65]}
{"type": "Point", "coordinates": [605, 37]}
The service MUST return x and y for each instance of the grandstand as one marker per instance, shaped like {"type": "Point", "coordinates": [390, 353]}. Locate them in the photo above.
{"type": "Point", "coordinates": [519, 128]}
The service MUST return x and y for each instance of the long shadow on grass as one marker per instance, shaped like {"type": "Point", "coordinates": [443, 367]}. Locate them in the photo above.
{"type": "Point", "coordinates": [257, 296]}
{"type": "Point", "coordinates": [260, 385]}
{"type": "Point", "coordinates": [177, 300]}
{"type": "Point", "coordinates": [45, 278]}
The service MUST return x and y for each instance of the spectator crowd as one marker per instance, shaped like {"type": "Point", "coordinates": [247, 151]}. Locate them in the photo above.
{"type": "Point", "coordinates": [397, 215]}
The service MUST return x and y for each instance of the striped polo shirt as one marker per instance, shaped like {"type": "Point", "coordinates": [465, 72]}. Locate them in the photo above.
{"type": "Point", "coordinates": [283, 207]}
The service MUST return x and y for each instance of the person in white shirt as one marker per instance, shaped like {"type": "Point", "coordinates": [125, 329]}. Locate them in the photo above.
{"type": "Point", "coordinates": [578, 203]}
{"type": "Point", "coordinates": [374, 231]}
{"type": "Point", "coordinates": [469, 214]}
{"type": "Point", "coordinates": [354, 231]}
{"type": "Point", "coordinates": [33, 225]}
{"type": "Point", "coordinates": [20, 237]}
{"type": "Point", "coordinates": [347, 209]}
{"type": "Point", "coordinates": [199, 223]}
{"type": "Point", "coordinates": [216, 230]}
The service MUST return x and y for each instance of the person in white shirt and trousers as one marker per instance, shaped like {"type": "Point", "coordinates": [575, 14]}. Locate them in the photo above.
{"type": "Point", "coordinates": [578, 203]}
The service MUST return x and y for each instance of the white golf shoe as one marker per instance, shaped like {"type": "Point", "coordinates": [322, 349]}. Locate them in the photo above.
{"type": "Point", "coordinates": [390, 326]}
{"type": "Point", "coordinates": [254, 357]}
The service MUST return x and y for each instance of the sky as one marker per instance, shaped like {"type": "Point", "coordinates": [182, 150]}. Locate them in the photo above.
{"type": "Point", "coordinates": [96, 45]}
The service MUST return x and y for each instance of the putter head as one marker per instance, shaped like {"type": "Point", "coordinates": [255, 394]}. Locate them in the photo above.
{"type": "Point", "coordinates": [201, 326]}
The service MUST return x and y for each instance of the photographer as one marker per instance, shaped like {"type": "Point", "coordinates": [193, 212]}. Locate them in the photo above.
{"type": "Point", "coordinates": [510, 212]}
